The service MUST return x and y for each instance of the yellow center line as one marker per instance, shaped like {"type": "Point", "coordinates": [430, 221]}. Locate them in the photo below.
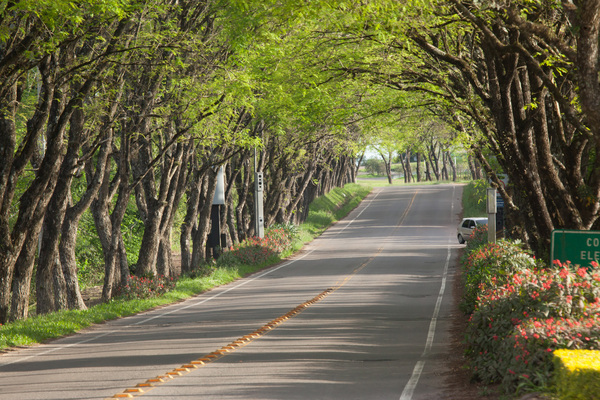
{"type": "Point", "coordinates": [149, 384]}
{"type": "Point", "coordinates": [146, 386]}
{"type": "Point", "coordinates": [405, 213]}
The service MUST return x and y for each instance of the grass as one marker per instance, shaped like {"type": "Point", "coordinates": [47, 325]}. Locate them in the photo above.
{"type": "Point", "coordinates": [37, 329]}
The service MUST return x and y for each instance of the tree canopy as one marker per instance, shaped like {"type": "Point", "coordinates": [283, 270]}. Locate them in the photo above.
{"type": "Point", "coordinates": [122, 111]}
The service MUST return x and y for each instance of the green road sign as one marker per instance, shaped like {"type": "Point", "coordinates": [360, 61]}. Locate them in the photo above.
{"type": "Point", "coordinates": [579, 247]}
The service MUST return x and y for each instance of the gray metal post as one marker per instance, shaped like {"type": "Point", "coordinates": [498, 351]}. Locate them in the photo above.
{"type": "Point", "coordinates": [491, 210]}
{"type": "Point", "coordinates": [258, 205]}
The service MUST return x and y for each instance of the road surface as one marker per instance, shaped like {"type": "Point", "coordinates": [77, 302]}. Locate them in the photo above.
{"type": "Point", "coordinates": [361, 313]}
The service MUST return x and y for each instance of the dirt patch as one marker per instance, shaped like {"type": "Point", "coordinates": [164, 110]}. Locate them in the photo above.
{"type": "Point", "coordinates": [92, 296]}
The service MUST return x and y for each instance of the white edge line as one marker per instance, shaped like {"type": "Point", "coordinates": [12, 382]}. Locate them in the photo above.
{"type": "Point", "coordinates": [359, 214]}
{"type": "Point", "coordinates": [410, 387]}
{"type": "Point", "coordinates": [412, 382]}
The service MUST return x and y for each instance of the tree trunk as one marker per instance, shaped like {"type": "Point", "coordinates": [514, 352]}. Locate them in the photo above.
{"type": "Point", "coordinates": [427, 170]}
{"type": "Point", "coordinates": [199, 245]}
{"type": "Point", "coordinates": [452, 166]}
{"type": "Point", "coordinates": [388, 165]}
{"type": "Point", "coordinates": [69, 263]}
{"type": "Point", "coordinates": [113, 257]}
{"type": "Point", "coordinates": [475, 173]}
{"type": "Point", "coordinates": [190, 220]}
{"type": "Point", "coordinates": [73, 215]}
{"type": "Point", "coordinates": [445, 175]}
{"type": "Point", "coordinates": [50, 284]}
{"type": "Point", "coordinates": [11, 168]}
{"type": "Point", "coordinates": [21, 283]}
{"type": "Point", "coordinates": [433, 159]}
{"type": "Point", "coordinates": [408, 167]}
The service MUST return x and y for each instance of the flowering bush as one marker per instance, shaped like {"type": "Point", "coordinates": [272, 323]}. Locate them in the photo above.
{"type": "Point", "coordinates": [529, 313]}
{"type": "Point", "coordinates": [258, 250]}
{"type": "Point", "coordinates": [478, 238]}
{"type": "Point", "coordinates": [145, 287]}
{"type": "Point", "coordinates": [533, 342]}
{"type": "Point", "coordinates": [490, 265]}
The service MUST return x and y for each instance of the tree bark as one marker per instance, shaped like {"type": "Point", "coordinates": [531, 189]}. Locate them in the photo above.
{"type": "Point", "coordinates": [114, 253]}
{"type": "Point", "coordinates": [201, 234]}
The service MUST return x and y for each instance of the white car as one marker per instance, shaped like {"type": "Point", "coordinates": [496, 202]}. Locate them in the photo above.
{"type": "Point", "coordinates": [466, 226]}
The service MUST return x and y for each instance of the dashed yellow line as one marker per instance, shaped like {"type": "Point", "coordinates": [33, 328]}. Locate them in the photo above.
{"type": "Point", "coordinates": [148, 385]}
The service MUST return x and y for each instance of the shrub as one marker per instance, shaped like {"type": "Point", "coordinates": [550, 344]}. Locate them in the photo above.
{"type": "Point", "coordinates": [145, 287]}
{"type": "Point", "coordinates": [478, 238]}
{"type": "Point", "coordinates": [532, 344]}
{"type": "Point", "coordinates": [490, 265]}
{"type": "Point", "coordinates": [291, 230]}
{"type": "Point", "coordinates": [259, 250]}
{"type": "Point", "coordinates": [517, 323]}
{"type": "Point", "coordinates": [577, 374]}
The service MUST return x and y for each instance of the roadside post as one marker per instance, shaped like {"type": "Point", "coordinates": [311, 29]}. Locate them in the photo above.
{"type": "Point", "coordinates": [259, 219]}
{"type": "Point", "coordinates": [258, 204]}
{"type": "Point", "coordinates": [214, 241]}
{"type": "Point", "coordinates": [492, 208]}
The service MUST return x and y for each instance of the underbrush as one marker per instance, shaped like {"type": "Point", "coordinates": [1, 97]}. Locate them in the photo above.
{"type": "Point", "coordinates": [521, 310]}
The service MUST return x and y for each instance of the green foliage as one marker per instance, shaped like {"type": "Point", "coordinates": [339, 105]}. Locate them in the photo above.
{"type": "Point", "coordinates": [374, 166]}
{"type": "Point", "coordinates": [333, 206]}
{"type": "Point", "coordinates": [132, 228]}
{"type": "Point", "coordinates": [474, 198]}
{"type": "Point", "coordinates": [88, 252]}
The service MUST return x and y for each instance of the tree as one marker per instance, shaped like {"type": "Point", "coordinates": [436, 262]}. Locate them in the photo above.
{"type": "Point", "coordinates": [528, 69]}
{"type": "Point", "coordinates": [31, 49]}
{"type": "Point", "coordinates": [518, 69]}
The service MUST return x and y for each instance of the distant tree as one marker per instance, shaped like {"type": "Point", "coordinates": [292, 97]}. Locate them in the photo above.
{"type": "Point", "coordinates": [374, 166]}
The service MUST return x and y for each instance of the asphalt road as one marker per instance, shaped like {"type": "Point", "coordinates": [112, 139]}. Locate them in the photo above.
{"type": "Point", "coordinates": [360, 313]}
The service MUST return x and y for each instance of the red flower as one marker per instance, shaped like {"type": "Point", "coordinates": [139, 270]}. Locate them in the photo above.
{"type": "Point", "coordinates": [564, 273]}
